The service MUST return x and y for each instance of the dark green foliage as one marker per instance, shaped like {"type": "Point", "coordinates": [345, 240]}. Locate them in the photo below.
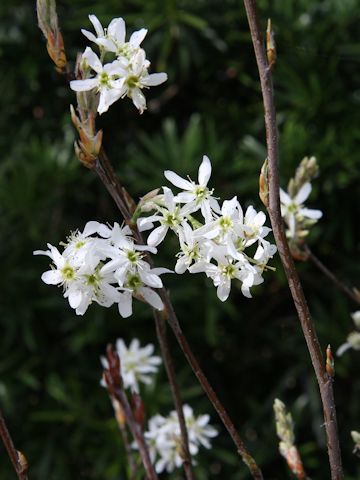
{"type": "Point", "coordinates": [252, 350]}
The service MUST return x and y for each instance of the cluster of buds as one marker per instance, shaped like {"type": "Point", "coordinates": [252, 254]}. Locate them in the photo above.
{"type": "Point", "coordinates": [287, 447]}
{"type": "Point", "coordinates": [297, 217]}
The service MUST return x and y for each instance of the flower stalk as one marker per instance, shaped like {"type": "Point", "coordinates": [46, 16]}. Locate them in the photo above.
{"type": "Point", "coordinates": [324, 380]}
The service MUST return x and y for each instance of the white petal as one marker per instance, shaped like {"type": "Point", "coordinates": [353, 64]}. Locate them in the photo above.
{"type": "Point", "coordinates": [125, 304]}
{"type": "Point", "coordinates": [75, 297]}
{"type": "Point", "coordinates": [152, 298]}
{"type": "Point", "coordinates": [91, 228]}
{"type": "Point", "coordinates": [51, 277]}
{"type": "Point", "coordinates": [223, 290]}
{"type": "Point", "coordinates": [310, 213]}
{"type": "Point", "coordinates": [303, 193]}
{"type": "Point", "coordinates": [90, 36]}
{"type": "Point", "coordinates": [137, 37]}
{"type": "Point", "coordinates": [181, 265]}
{"type": "Point", "coordinates": [157, 235]}
{"type": "Point", "coordinates": [138, 99]}
{"type": "Point", "coordinates": [342, 349]}
{"type": "Point", "coordinates": [229, 206]}
{"type": "Point", "coordinates": [107, 98]}
{"type": "Point", "coordinates": [83, 85]}
{"type": "Point", "coordinates": [117, 30]}
{"type": "Point", "coordinates": [204, 171]}
{"type": "Point", "coordinates": [97, 25]}
{"type": "Point", "coordinates": [154, 79]}
{"type": "Point", "coordinates": [178, 181]}
{"type": "Point", "coordinates": [284, 197]}
{"type": "Point", "coordinates": [92, 59]}
{"type": "Point", "coordinates": [150, 279]}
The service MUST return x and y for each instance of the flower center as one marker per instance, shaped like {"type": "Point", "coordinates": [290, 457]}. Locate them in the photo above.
{"type": "Point", "coordinates": [132, 81]}
{"type": "Point", "coordinates": [226, 223]}
{"type": "Point", "coordinates": [133, 281]}
{"type": "Point", "coordinates": [132, 256]}
{"type": "Point", "coordinates": [104, 79]}
{"type": "Point", "coordinates": [171, 219]}
{"type": "Point", "coordinates": [68, 273]}
{"type": "Point", "coordinates": [228, 271]}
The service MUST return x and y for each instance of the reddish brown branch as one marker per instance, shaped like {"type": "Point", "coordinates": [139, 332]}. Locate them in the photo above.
{"type": "Point", "coordinates": [331, 276]}
{"type": "Point", "coordinates": [17, 458]}
{"type": "Point", "coordinates": [308, 327]}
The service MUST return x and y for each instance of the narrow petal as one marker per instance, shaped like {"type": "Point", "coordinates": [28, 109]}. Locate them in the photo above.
{"type": "Point", "coordinates": [150, 279]}
{"type": "Point", "coordinates": [223, 290]}
{"type": "Point", "coordinates": [284, 197]}
{"type": "Point", "coordinates": [311, 213]}
{"type": "Point", "coordinates": [117, 30]}
{"type": "Point", "coordinates": [157, 235]}
{"type": "Point", "coordinates": [152, 298]}
{"type": "Point", "coordinates": [92, 59]}
{"type": "Point", "coordinates": [138, 99]}
{"type": "Point", "coordinates": [51, 277]}
{"type": "Point", "coordinates": [107, 98]}
{"type": "Point", "coordinates": [178, 181]}
{"type": "Point", "coordinates": [75, 297]}
{"type": "Point", "coordinates": [97, 25]}
{"type": "Point", "coordinates": [137, 37]}
{"type": "Point", "coordinates": [204, 171]}
{"type": "Point", "coordinates": [125, 304]}
{"type": "Point", "coordinates": [154, 79]}
{"type": "Point", "coordinates": [90, 36]}
{"type": "Point", "coordinates": [303, 193]}
{"type": "Point", "coordinates": [83, 85]}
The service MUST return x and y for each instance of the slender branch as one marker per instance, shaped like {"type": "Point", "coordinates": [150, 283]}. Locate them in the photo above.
{"type": "Point", "coordinates": [160, 323]}
{"type": "Point", "coordinates": [330, 275]}
{"type": "Point", "coordinates": [17, 459]}
{"type": "Point", "coordinates": [111, 182]}
{"type": "Point", "coordinates": [308, 327]}
{"type": "Point", "coordinates": [136, 433]}
{"type": "Point", "coordinates": [175, 326]}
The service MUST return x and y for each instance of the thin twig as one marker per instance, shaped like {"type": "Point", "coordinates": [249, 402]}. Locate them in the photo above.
{"type": "Point", "coordinates": [136, 433]}
{"type": "Point", "coordinates": [20, 467]}
{"type": "Point", "coordinates": [331, 276]}
{"type": "Point", "coordinates": [324, 380]}
{"type": "Point", "coordinates": [175, 326]}
{"type": "Point", "coordinates": [160, 322]}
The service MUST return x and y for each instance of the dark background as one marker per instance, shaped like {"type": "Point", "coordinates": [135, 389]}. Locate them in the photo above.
{"type": "Point", "coordinates": [252, 350]}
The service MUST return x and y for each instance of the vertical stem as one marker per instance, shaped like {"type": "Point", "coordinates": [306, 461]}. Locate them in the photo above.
{"type": "Point", "coordinates": [116, 191]}
{"type": "Point", "coordinates": [324, 380]}
{"type": "Point", "coordinates": [160, 323]}
{"type": "Point", "coordinates": [136, 433]}
{"type": "Point", "coordinates": [21, 470]}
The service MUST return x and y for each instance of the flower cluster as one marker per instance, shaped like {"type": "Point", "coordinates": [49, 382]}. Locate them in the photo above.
{"type": "Point", "coordinates": [353, 339]}
{"type": "Point", "coordinates": [103, 264]}
{"type": "Point", "coordinates": [127, 72]}
{"type": "Point", "coordinates": [297, 217]}
{"type": "Point", "coordinates": [138, 364]}
{"type": "Point", "coordinates": [212, 238]}
{"type": "Point", "coordinates": [164, 438]}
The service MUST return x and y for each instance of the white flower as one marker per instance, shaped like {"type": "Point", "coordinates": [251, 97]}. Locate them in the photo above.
{"type": "Point", "coordinates": [136, 78]}
{"type": "Point", "coordinates": [293, 211]}
{"type": "Point", "coordinates": [170, 215]}
{"type": "Point", "coordinates": [196, 195]}
{"type": "Point", "coordinates": [108, 82]}
{"type": "Point", "coordinates": [164, 438]}
{"type": "Point", "coordinates": [353, 339]}
{"type": "Point", "coordinates": [112, 39]}
{"type": "Point", "coordinates": [137, 364]}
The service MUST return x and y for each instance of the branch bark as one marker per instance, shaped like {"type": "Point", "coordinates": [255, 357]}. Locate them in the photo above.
{"type": "Point", "coordinates": [17, 458]}
{"type": "Point", "coordinates": [325, 382]}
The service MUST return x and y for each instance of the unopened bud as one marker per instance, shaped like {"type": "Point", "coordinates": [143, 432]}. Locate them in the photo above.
{"type": "Point", "coordinates": [22, 462]}
{"type": "Point", "coordinates": [263, 184]}
{"type": "Point", "coordinates": [330, 364]}
{"type": "Point", "coordinates": [48, 23]}
{"type": "Point", "coordinates": [88, 148]}
{"type": "Point", "coordinates": [270, 45]}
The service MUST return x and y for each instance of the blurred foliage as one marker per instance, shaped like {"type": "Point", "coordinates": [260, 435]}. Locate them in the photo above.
{"type": "Point", "coordinates": [252, 350]}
